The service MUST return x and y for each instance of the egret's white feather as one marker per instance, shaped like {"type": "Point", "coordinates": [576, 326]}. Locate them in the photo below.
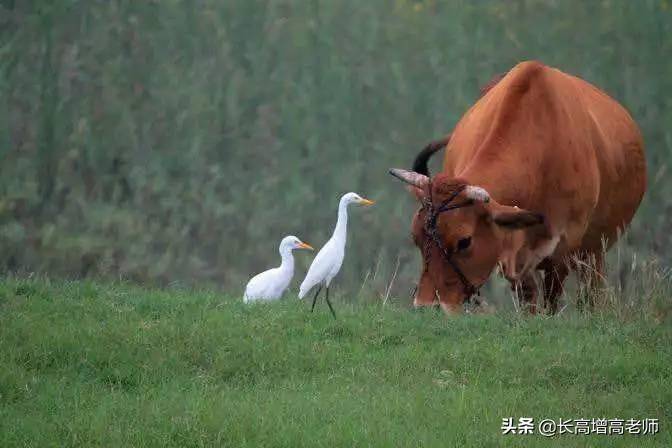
{"type": "Point", "coordinates": [327, 263]}
{"type": "Point", "coordinates": [268, 285]}
{"type": "Point", "coordinates": [325, 266]}
{"type": "Point", "coordinates": [271, 284]}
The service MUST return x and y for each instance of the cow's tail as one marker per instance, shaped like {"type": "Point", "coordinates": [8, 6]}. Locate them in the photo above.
{"type": "Point", "coordinates": [420, 162]}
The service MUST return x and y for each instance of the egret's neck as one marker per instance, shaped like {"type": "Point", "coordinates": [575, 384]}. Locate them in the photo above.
{"type": "Point", "coordinates": [342, 222]}
{"type": "Point", "coordinates": [287, 259]}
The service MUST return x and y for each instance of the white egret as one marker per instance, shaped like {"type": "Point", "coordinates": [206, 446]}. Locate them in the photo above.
{"type": "Point", "coordinates": [270, 284]}
{"type": "Point", "coordinates": [328, 260]}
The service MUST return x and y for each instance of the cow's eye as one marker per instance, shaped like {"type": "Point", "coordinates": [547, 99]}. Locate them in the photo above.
{"type": "Point", "coordinates": [463, 244]}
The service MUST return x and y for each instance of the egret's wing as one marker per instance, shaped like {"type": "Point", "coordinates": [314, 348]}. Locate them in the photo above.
{"type": "Point", "coordinates": [335, 265]}
{"type": "Point", "coordinates": [258, 285]}
{"type": "Point", "coordinates": [318, 270]}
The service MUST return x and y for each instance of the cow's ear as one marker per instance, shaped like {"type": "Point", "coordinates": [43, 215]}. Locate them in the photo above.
{"type": "Point", "coordinates": [514, 217]}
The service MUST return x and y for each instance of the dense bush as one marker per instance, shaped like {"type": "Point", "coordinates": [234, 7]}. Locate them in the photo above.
{"type": "Point", "coordinates": [179, 141]}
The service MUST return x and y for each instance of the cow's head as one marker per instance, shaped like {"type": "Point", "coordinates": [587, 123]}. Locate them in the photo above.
{"type": "Point", "coordinates": [459, 230]}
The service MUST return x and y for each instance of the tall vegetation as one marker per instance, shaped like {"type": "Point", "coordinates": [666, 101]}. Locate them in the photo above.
{"type": "Point", "coordinates": [179, 141]}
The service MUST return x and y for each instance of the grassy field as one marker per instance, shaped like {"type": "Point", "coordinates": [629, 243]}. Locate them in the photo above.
{"type": "Point", "coordinates": [87, 364]}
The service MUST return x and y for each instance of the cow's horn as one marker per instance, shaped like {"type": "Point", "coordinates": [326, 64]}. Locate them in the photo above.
{"type": "Point", "coordinates": [410, 177]}
{"type": "Point", "coordinates": [477, 193]}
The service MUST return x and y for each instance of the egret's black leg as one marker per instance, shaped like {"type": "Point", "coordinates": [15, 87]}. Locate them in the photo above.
{"type": "Point", "coordinates": [315, 298]}
{"type": "Point", "coordinates": [329, 303]}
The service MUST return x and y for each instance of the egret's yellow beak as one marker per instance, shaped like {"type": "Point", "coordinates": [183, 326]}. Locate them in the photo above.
{"type": "Point", "coordinates": [366, 202]}
{"type": "Point", "coordinates": [305, 246]}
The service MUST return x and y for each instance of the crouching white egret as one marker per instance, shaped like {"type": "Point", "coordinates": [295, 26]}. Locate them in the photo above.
{"type": "Point", "coordinates": [270, 284]}
{"type": "Point", "coordinates": [328, 260]}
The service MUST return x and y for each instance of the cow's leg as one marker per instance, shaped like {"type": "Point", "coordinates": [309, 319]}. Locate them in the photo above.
{"type": "Point", "coordinates": [526, 291]}
{"type": "Point", "coordinates": [592, 277]}
{"type": "Point", "coordinates": [554, 278]}
{"type": "Point", "coordinates": [599, 281]}
{"type": "Point", "coordinates": [582, 291]}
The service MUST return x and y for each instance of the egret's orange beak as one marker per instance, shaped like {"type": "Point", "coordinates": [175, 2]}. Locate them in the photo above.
{"type": "Point", "coordinates": [305, 246]}
{"type": "Point", "coordinates": [366, 202]}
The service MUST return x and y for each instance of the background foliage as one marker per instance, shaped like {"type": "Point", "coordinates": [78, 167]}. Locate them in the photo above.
{"type": "Point", "coordinates": [178, 141]}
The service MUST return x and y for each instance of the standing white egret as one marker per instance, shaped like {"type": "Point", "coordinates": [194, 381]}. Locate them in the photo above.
{"type": "Point", "coordinates": [270, 284]}
{"type": "Point", "coordinates": [328, 260]}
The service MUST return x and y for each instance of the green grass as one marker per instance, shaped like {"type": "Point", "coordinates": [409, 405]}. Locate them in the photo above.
{"type": "Point", "coordinates": [86, 364]}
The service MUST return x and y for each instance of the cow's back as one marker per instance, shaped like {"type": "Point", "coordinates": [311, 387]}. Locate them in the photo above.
{"type": "Point", "coordinates": [551, 142]}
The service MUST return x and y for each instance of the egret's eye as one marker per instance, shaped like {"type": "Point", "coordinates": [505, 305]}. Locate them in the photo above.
{"type": "Point", "coordinates": [463, 244]}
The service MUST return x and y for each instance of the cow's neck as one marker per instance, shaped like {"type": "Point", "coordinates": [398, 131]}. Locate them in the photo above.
{"type": "Point", "coordinates": [510, 183]}
{"type": "Point", "coordinates": [506, 184]}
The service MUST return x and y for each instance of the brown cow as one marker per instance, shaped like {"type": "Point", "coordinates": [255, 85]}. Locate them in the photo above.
{"type": "Point", "coordinates": [542, 169]}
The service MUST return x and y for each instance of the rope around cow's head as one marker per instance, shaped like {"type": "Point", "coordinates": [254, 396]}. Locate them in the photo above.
{"type": "Point", "coordinates": [431, 231]}
{"type": "Point", "coordinates": [474, 194]}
